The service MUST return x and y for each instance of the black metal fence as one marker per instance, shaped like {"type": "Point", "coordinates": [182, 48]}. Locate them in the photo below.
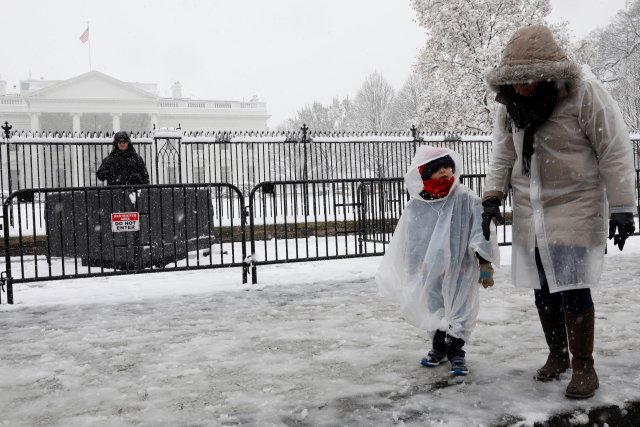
{"type": "Point", "coordinates": [303, 196]}
{"type": "Point", "coordinates": [323, 219]}
{"type": "Point", "coordinates": [77, 232]}
{"type": "Point", "coordinates": [240, 159]}
{"type": "Point", "coordinates": [71, 232]}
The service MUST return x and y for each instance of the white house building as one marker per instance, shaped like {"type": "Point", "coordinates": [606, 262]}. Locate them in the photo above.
{"type": "Point", "coordinates": [94, 102]}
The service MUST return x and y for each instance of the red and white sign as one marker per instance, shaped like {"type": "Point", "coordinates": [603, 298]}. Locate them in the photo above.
{"type": "Point", "coordinates": [125, 221]}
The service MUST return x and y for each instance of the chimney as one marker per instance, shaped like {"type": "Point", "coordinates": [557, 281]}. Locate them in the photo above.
{"type": "Point", "coordinates": [176, 91]}
{"type": "Point", "coordinates": [3, 87]}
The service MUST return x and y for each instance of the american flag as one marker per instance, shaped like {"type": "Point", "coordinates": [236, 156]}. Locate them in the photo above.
{"type": "Point", "coordinates": [85, 36]}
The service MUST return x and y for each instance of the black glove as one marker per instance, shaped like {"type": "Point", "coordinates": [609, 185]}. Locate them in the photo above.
{"type": "Point", "coordinates": [626, 226]}
{"type": "Point", "coordinates": [491, 210]}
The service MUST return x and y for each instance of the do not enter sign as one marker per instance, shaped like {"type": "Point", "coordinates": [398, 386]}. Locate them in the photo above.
{"type": "Point", "coordinates": [125, 221]}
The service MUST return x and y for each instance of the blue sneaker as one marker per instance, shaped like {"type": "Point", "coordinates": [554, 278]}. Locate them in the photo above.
{"type": "Point", "coordinates": [433, 358]}
{"type": "Point", "coordinates": [458, 366]}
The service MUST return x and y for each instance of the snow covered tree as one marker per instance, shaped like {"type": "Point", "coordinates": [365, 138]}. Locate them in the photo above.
{"type": "Point", "coordinates": [373, 104]}
{"type": "Point", "coordinates": [407, 103]}
{"type": "Point", "coordinates": [464, 40]}
{"type": "Point", "coordinates": [615, 58]}
{"type": "Point", "coordinates": [341, 112]}
{"type": "Point", "coordinates": [318, 117]}
{"type": "Point", "coordinates": [373, 109]}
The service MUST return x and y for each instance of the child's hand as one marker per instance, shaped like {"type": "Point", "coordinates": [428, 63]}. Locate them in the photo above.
{"type": "Point", "coordinates": [486, 275]}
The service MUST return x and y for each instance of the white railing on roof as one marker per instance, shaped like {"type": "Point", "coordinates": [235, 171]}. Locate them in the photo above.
{"type": "Point", "coordinates": [212, 105]}
{"type": "Point", "coordinates": [11, 101]}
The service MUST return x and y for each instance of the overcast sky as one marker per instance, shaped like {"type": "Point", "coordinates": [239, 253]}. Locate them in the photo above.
{"type": "Point", "coordinates": [287, 52]}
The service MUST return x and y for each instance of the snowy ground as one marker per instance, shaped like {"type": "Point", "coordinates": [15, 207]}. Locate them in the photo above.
{"type": "Point", "coordinates": [312, 344]}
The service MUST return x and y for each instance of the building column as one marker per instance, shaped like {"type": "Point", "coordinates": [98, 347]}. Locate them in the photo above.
{"type": "Point", "coordinates": [35, 122]}
{"type": "Point", "coordinates": [115, 117]}
{"type": "Point", "coordinates": [76, 122]}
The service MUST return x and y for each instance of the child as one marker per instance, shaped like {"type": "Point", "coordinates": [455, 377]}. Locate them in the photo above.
{"type": "Point", "coordinates": [437, 254]}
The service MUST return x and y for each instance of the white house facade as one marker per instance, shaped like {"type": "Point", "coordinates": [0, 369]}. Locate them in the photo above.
{"type": "Point", "coordinates": [96, 102]}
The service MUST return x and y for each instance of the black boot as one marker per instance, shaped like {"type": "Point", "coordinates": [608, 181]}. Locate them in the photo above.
{"type": "Point", "coordinates": [438, 350]}
{"type": "Point", "coordinates": [456, 356]}
{"type": "Point", "coordinates": [555, 333]}
{"type": "Point", "coordinates": [584, 380]}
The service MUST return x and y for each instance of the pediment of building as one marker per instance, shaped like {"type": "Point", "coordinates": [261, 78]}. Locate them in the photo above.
{"type": "Point", "coordinates": [92, 85]}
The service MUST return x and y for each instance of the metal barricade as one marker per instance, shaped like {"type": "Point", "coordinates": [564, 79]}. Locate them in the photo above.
{"type": "Point", "coordinates": [77, 232]}
{"type": "Point", "coordinates": [293, 221]}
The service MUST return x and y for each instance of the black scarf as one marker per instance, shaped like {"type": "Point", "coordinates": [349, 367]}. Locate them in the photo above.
{"type": "Point", "coordinates": [527, 113]}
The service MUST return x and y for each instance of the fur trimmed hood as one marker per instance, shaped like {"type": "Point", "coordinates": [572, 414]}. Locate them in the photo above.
{"type": "Point", "coordinates": [532, 54]}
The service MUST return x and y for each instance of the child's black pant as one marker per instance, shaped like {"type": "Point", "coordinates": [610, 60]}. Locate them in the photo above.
{"type": "Point", "coordinates": [452, 349]}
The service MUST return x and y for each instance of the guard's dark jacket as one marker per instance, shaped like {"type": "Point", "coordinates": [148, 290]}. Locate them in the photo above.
{"type": "Point", "coordinates": [123, 167]}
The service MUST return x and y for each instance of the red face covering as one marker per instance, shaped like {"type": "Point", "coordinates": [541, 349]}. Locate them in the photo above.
{"type": "Point", "coordinates": [438, 188]}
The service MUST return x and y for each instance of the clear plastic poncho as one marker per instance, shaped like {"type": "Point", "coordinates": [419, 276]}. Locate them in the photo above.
{"type": "Point", "coordinates": [430, 266]}
{"type": "Point", "coordinates": [582, 169]}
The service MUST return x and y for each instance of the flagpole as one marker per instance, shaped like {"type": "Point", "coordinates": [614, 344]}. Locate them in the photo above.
{"type": "Point", "coordinates": [89, 42]}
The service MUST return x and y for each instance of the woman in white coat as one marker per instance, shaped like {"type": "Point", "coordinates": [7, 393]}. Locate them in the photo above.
{"type": "Point", "coordinates": [560, 142]}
